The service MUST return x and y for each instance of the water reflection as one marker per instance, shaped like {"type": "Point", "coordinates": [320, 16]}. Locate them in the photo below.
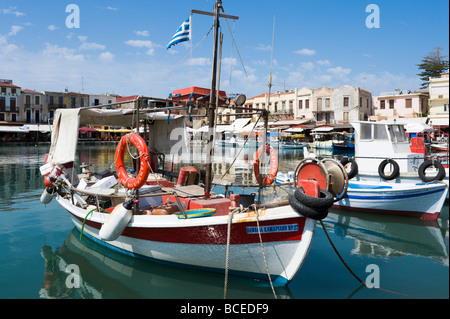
{"type": "Point", "coordinates": [108, 274]}
{"type": "Point", "coordinates": [392, 236]}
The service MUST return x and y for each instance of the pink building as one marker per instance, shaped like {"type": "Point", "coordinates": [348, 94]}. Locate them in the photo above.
{"type": "Point", "coordinates": [401, 104]}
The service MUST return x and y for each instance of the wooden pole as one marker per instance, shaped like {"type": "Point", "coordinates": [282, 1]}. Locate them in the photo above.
{"type": "Point", "coordinates": [212, 102]}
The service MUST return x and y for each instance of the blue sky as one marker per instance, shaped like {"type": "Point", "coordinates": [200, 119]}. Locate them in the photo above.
{"type": "Point", "coordinates": [120, 46]}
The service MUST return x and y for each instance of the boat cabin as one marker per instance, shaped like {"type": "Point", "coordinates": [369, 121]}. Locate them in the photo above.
{"type": "Point", "coordinates": [375, 142]}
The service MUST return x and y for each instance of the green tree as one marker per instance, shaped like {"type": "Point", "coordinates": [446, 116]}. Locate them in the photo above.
{"type": "Point", "coordinates": [432, 65]}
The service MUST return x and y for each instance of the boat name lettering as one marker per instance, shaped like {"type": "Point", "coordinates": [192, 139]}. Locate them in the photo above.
{"type": "Point", "coordinates": [272, 229]}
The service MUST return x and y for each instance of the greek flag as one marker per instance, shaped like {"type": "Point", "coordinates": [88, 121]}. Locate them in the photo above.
{"type": "Point", "coordinates": [183, 33]}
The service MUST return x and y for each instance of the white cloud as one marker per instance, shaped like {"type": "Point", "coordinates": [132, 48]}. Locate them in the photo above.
{"type": "Point", "coordinates": [307, 66]}
{"type": "Point", "coordinates": [106, 56]}
{"type": "Point", "coordinates": [61, 52]}
{"type": "Point", "coordinates": [142, 44]}
{"type": "Point", "coordinates": [52, 27]}
{"type": "Point", "coordinates": [12, 11]}
{"type": "Point", "coordinates": [323, 62]}
{"type": "Point", "coordinates": [306, 52]}
{"type": "Point", "coordinates": [91, 46]}
{"type": "Point", "coordinates": [199, 61]}
{"type": "Point", "coordinates": [15, 29]}
{"type": "Point", "coordinates": [262, 47]}
{"type": "Point", "coordinates": [143, 33]}
{"type": "Point", "coordinates": [339, 70]}
{"type": "Point", "coordinates": [111, 8]}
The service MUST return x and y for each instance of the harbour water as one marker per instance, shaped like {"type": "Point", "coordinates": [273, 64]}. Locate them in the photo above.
{"type": "Point", "coordinates": [39, 244]}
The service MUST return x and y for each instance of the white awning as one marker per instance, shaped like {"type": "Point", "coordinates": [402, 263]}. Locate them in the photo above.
{"type": "Point", "coordinates": [323, 129]}
{"type": "Point", "coordinates": [12, 129]}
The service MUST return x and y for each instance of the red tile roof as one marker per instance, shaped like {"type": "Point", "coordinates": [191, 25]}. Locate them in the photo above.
{"type": "Point", "coordinates": [9, 85]}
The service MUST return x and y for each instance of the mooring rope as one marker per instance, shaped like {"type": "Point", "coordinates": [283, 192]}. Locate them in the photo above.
{"type": "Point", "coordinates": [353, 274]}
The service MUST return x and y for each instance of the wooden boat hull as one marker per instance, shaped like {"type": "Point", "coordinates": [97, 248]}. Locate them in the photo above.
{"type": "Point", "coordinates": [419, 200]}
{"type": "Point", "coordinates": [201, 243]}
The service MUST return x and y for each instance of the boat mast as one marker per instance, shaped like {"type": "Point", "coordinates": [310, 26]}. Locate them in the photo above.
{"type": "Point", "coordinates": [212, 98]}
{"type": "Point", "coordinates": [212, 102]}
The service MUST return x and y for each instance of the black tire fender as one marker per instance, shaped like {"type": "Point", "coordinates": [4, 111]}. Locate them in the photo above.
{"type": "Point", "coordinates": [354, 170]}
{"type": "Point", "coordinates": [428, 163]}
{"type": "Point", "coordinates": [324, 201]}
{"type": "Point", "coordinates": [316, 214]}
{"type": "Point", "coordinates": [394, 174]}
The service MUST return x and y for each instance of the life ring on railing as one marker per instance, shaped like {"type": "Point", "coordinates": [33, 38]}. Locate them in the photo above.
{"type": "Point", "coordinates": [395, 173]}
{"type": "Point", "coordinates": [144, 170]}
{"type": "Point", "coordinates": [354, 166]}
{"type": "Point", "coordinates": [269, 179]}
{"type": "Point", "coordinates": [428, 163]}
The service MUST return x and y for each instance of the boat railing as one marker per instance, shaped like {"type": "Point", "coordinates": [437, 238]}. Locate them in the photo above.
{"type": "Point", "coordinates": [115, 195]}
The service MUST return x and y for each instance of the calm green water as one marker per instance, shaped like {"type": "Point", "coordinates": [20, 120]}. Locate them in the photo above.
{"type": "Point", "coordinates": [37, 243]}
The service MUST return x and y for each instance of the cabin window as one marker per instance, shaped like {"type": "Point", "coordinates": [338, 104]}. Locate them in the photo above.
{"type": "Point", "coordinates": [397, 133]}
{"type": "Point", "coordinates": [366, 131]}
{"type": "Point", "coordinates": [380, 133]}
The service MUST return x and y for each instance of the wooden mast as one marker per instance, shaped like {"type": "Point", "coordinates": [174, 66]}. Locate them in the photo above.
{"type": "Point", "coordinates": [212, 101]}
{"type": "Point", "coordinates": [212, 98]}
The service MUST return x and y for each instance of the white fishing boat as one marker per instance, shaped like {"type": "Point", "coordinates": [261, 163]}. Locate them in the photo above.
{"type": "Point", "coordinates": [187, 225]}
{"type": "Point", "coordinates": [382, 150]}
{"type": "Point", "coordinates": [419, 200]}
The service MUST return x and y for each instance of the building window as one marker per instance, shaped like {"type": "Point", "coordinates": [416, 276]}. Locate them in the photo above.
{"type": "Point", "coordinates": [300, 104]}
{"type": "Point", "coordinates": [382, 105]}
{"type": "Point", "coordinates": [307, 104]}
{"type": "Point", "coordinates": [346, 100]}
{"type": "Point", "coordinates": [319, 102]}
{"type": "Point", "coordinates": [51, 99]}
{"type": "Point", "coordinates": [345, 116]}
{"type": "Point", "coordinates": [37, 100]}
{"type": "Point", "coordinates": [13, 117]}
{"type": "Point", "coordinates": [391, 104]}
{"type": "Point", "coordinates": [12, 102]}
{"type": "Point", "coordinates": [82, 101]}
{"type": "Point", "coordinates": [327, 102]}
{"type": "Point", "coordinates": [72, 102]}
{"type": "Point", "coordinates": [408, 103]}
{"type": "Point", "coordinates": [2, 102]}
{"type": "Point", "coordinates": [2, 116]}
{"type": "Point", "coordinates": [60, 101]}
{"type": "Point", "coordinates": [13, 91]}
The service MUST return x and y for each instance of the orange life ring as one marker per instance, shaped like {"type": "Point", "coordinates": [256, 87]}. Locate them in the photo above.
{"type": "Point", "coordinates": [269, 179]}
{"type": "Point", "coordinates": [144, 170]}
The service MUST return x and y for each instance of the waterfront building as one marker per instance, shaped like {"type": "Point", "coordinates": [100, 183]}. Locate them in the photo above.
{"type": "Point", "coordinates": [33, 107]}
{"type": "Point", "coordinates": [438, 112]}
{"type": "Point", "coordinates": [324, 105]}
{"type": "Point", "coordinates": [102, 99]}
{"type": "Point", "coordinates": [400, 103]}
{"type": "Point", "coordinates": [9, 104]}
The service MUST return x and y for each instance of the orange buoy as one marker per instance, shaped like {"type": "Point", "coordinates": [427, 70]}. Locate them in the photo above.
{"type": "Point", "coordinates": [144, 170]}
{"type": "Point", "coordinates": [269, 179]}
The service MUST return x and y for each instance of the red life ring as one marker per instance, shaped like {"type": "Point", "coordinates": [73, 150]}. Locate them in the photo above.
{"type": "Point", "coordinates": [269, 179]}
{"type": "Point", "coordinates": [144, 170]}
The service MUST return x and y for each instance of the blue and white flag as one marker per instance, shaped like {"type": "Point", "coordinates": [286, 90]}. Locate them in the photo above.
{"type": "Point", "coordinates": [183, 33]}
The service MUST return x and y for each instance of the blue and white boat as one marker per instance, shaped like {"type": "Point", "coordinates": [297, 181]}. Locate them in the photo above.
{"type": "Point", "coordinates": [420, 200]}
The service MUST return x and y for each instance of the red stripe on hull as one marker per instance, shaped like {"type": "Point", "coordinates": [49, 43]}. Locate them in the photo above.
{"type": "Point", "coordinates": [424, 216]}
{"type": "Point", "coordinates": [213, 234]}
